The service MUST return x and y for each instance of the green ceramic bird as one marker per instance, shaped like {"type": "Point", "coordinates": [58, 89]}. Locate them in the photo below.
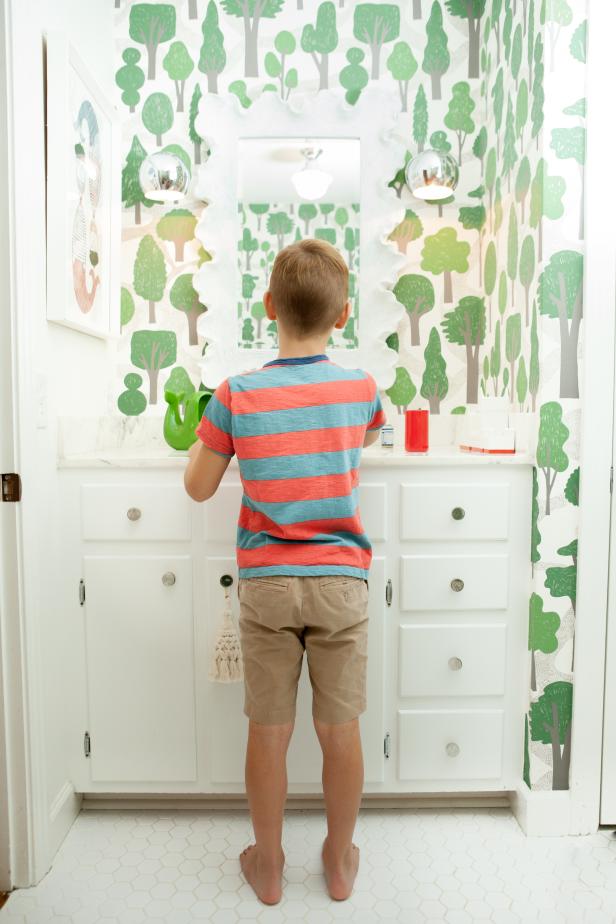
{"type": "Point", "coordinates": [180, 432]}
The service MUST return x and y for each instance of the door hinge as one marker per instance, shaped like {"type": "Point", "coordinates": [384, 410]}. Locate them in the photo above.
{"type": "Point", "coordinates": [611, 478]}
{"type": "Point", "coordinates": [86, 744]}
{"type": "Point", "coordinates": [386, 745]}
{"type": "Point", "coordinates": [82, 592]}
{"type": "Point", "coordinates": [11, 488]}
{"type": "Point", "coordinates": [389, 592]}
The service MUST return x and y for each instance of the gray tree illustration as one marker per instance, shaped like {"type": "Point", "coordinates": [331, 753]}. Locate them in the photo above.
{"type": "Point", "coordinates": [570, 143]}
{"type": "Point", "coordinates": [546, 201]}
{"type": "Point", "coordinates": [151, 24]}
{"type": "Point", "coordinates": [466, 326]}
{"type": "Point", "coordinates": [557, 15]}
{"type": "Point", "coordinates": [280, 224]}
{"type": "Point", "coordinates": [550, 454]}
{"type": "Point", "coordinates": [416, 293]}
{"type": "Point", "coordinates": [252, 12]}
{"type": "Point", "coordinates": [444, 253]}
{"type": "Point", "coordinates": [375, 24]}
{"type": "Point", "coordinates": [153, 350]}
{"type": "Point", "coordinates": [560, 296]}
{"type": "Point", "coordinates": [550, 722]}
{"type": "Point", "coordinates": [402, 392]}
{"type": "Point", "coordinates": [434, 384]}
{"type": "Point", "coordinates": [472, 11]}
{"type": "Point", "coordinates": [459, 115]}
{"type": "Point", "coordinates": [402, 66]}
{"type": "Point", "coordinates": [184, 297]}
{"type": "Point", "coordinates": [513, 345]}
{"type": "Point", "coordinates": [320, 39]}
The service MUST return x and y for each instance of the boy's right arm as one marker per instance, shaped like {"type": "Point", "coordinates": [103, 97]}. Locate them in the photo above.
{"type": "Point", "coordinates": [377, 418]}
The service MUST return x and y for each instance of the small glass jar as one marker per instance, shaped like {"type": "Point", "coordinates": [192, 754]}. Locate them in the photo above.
{"type": "Point", "coordinates": [387, 436]}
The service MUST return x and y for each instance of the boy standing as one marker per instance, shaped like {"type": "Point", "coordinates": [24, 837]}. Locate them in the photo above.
{"type": "Point", "coordinates": [297, 426]}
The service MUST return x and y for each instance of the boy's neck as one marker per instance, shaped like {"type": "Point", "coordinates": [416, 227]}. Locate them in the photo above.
{"type": "Point", "coordinates": [291, 348]}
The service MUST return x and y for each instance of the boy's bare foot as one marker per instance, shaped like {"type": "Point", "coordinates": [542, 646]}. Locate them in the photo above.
{"type": "Point", "coordinates": [266, 880]}
{"type": "Point", "coordinates": [340, 874]}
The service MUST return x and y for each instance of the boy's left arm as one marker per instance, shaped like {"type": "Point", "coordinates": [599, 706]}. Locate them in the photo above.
{"type": "Point", "coordinates": [204, 471]}
{"type": "Point", "coordinates": [209, 457]}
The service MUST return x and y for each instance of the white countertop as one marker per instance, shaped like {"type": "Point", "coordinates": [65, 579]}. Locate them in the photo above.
{"type": "Point", "coordinates": [373, 457]}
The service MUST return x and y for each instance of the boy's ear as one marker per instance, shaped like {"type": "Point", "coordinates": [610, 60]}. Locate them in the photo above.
{"type": "Point", "coordinates": [269, 305]}
{"type": "Point", "coordinates": [344, 317]}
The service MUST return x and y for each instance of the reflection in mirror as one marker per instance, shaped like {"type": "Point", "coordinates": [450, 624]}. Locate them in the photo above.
{"type": "Point", "coordinates": [289, 189]}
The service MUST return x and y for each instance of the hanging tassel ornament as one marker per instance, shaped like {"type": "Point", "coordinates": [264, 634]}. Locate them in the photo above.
{"type": "Point", "coordinates": [226, 664]}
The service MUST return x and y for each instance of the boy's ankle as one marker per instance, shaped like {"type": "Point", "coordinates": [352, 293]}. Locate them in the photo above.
{"type": "Point", "coordinates": [337, 852]}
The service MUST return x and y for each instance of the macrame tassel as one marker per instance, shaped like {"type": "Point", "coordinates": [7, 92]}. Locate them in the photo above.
{"type": "Point", "coordinates": [227, 661]}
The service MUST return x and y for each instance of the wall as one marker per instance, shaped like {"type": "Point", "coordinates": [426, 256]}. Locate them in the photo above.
{"type": "Point", "coordinates": [482, 281]}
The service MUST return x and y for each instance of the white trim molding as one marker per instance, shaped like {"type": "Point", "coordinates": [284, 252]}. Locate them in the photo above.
{"type": "Point", "coordinates": [222, 123]}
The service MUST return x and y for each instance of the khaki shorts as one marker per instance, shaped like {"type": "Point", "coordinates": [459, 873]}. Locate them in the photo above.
{"type": "Point", "coordinates": [282, 615]}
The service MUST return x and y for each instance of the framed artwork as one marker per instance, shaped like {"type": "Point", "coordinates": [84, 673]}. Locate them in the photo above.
{"type": "Point", "coordinates": [83, 196]}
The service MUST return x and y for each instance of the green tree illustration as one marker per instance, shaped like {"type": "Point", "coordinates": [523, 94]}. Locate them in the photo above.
{"type": "Point", "coordinates": [434, 385]}
{"type": "Point", "coordinates": [354, 76]}
{"type": "Point", "coordinates": [259, 209]}
{"type": "Point", "coordinates": [280, 224]}
{"type": "Point", "coordinates": [489, 275]}
{"type": "Point", "coordinates": [326, 208]}
{"type": "Point", "coordinates": [351, 242]}
{"type": "Point", "coordinates": [516, 54]}
{"type": "Point", "coordinates": [193, 134]}
{"type": "Point", "coordinates": [472, 11]}
{"type": "Point", "coordinates": [480, 145]}
{"type": "Point", "coordinates": [179, 151]}
{"type": "Point", "coordinates": [320, 40]}
{"type": "Point", "coordinates": [420, 118]}
{"type": "Point", "coordinates": [150, 274]}
{"type": "Point", "coordinates": [249, 283]}
{"type": "Point", "coordinates": [546, 201]}
{"type": "Point", "coordinates": [560, 296]}
{"type": "Point", "coordinates": [307, 212]}
{"type": "Point", "coordinates": [572, 488]}
{"type": "Point", "coordinates": [416, 293]}
{"type": "Point", "coordinates": [495, 359]}
{"type": "Point", "coordinates": [495, 22]}
{"type": "Point", "coordinates": [375, 24]}
{"type": "Point", "coordinates": [473, 218]}
{"type": "Point", "coordinates": [212, 57]}
{"type": "Point", "coordinates": [132, 193]}
{"type": "Point", "coordinates": [402, 66]}
{"type": "Point", "coordinates": [527, 269]}
{"type": "Point", "coordinates": [341, 216]}
{"type": "Point", "coordinates": [490, 181]}
{"type": "Point", "coordinates": [132, 402]}
{"type": "Point", "coordinates": [239, 89]}
{"type": "Point", "coordinates": [533, 372]}
{"type": "Point", "coordinates": [185, 297]}
{"type": "Point", "coordinates": [526, 764]}
{"type": "Point", "coordinates": [570, 143]}
{"type": "Point", "coordinates": [258, 313]}
{"type": "Point", "coordinates": [439, 142]}
{"type": "Point", "coordinates": [459, 115]}
{"type": "Point", "coordinates": [510, 154]}
{"type": "Point", "coordinates": [577, 46]}
{"type": "Point", "coordinates": [513, 345]}
{"type": "Point", "coordinates": [393, 342]}
{"type": "Point", "coordinates": [127, 306]}
{"type": "Point", "coordinates": [248, 332]}
{"type": "Point", "coordinates": [498, 97]}
{"type": "Point", "coordinates": [502, 293]}
{"type": "Point", "coordinates": [512, 251]}
{"type": "Point", "coordinates": [153, 350]}
{"type": "Point", "coordinates": [409, 229]}
{"type": "Point", "coordinates": [402, 392]}
{"type": "Point", "coordinates": [151, 24]}
{"type": "Point", "coordinates": [522, 185]}
{"type": "Point", "coordinates": [557, 15]}
{"type": "Point", "coordinates": [521, 383]}
{"type": "Point", "coordinates": [157, 115]}
{"type": "Point", "coordinates": [550, 723]}
{"type": "Point", "coordinates": [326, 234]}
{"type": "Point", "coordinates": [436, 56]}
{"type": "Point", "coordinates": [466, 325]}
{"type": "Point", "coordinates": [561, 582]}
{"type": "Point", "coordinates": [285, 45]}
{"type": "Point", "coordinates": [252, 12]}
{"type": "Point", "coordinates": [399, 180]}
{"type": "Point", "coordinates": [507, 31]}
{"type": "Point", "coordinates": [551, 456]}
{"type": "Point", "coordinates": [538, 93]}
{"type": "Point", "coordinates": [178, 226]}
{"type": "Point", "coordinates": [444, 253]}
{"type": "Point", "coordinates": [130, 78]}
{"type": "Point", "coordinates": [521, 112]}
{"type": "Point", "coordinates": [248, 245]}
{"type": "Point", "coordinates": [535, 536]}
{"type": "Point", "coordinates": [542, 629]}
{"type": "Point", "coordinates": [180, 383]}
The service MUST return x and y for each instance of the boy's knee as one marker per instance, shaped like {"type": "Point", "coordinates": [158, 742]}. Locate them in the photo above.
{"type": "Point", "coordinates": [334, 735]}
{"type": "Point", "coordinates": [270, 733]}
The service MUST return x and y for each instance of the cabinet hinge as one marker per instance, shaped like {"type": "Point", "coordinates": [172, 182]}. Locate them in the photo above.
{"type": "Point", "coordinates": [10, 484]}
{"type": "Point", "coordinates": [611, 478]}
{"type": "Point", "coordinates": [389, 592]}
{"type": "Point", "coordinates": [386, 745]}
{"type": "Point", "coordinates": [86, 744]}
{"type": "Point", "coordinates": [82, 592]}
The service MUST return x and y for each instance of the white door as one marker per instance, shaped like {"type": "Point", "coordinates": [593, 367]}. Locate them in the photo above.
{"type": "Point", "coordinates": [608, 773]}
{"type": "Point", "coordinates": [140, 661]}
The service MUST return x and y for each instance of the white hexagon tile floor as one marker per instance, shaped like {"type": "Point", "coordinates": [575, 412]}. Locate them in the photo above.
{"type": "Point", "coordinates": [417, 867]}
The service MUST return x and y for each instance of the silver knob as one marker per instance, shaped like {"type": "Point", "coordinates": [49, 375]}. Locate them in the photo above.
{"type": "Point", "coordinates": [458, 513]}
{"type": "Point", "coordinates": [452, 749]}
{"type": "Point", "coordinates": [457, 584]}
{"type": "Point", "coordinates": [168, 578]}
{"type": "Point", "coordinates": [455, 664]}
{"type": "Point", "coordinates": [133, 513]}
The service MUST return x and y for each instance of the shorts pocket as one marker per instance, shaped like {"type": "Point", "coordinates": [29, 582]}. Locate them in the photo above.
{"type": "Point", "coordinates": [274, 582]}
{"type": "Point", "coordinates": [335, 581]}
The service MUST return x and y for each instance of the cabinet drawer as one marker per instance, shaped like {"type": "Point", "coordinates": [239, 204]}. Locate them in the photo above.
{"type": "Point", "coordinates": [427, 582]}
{"type": "Point", "coordinates": [452, 745]}
{"type": "Point", "coordinates": [454, 511]}
{"type": "Point", "coordinates": [452, 660]}
{"type": "Point", "coordinates": [135, 511]}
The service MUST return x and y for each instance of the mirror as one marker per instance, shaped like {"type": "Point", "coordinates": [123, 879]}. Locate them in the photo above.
{"type": "Point", "coordinates": [289, 189]}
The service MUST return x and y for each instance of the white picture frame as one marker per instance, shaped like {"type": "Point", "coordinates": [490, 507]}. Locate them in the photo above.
{"type": "Point", "coordinates": [83, 196]}
{"type": "Point", "coordinates": [221, 123]}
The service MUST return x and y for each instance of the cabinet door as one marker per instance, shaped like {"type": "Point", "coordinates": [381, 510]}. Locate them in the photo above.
{"type": "Point", "coordinates": [227, 726]}
{"type": "Point", "coordinates": [140, 667]}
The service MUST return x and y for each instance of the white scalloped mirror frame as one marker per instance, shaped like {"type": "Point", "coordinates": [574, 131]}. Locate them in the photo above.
{"type": "Point", "coordinates": [222, 122]}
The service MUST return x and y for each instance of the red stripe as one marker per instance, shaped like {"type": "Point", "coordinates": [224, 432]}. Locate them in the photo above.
{"type": "Point", "coordinates": [297, 442]}
{"type": "Point", "coordinates": [223, 393]}
{"type": "Point", "coordinates": [317, 487]}
{"type": "Point", "coordinates": [310, 554]}
{"type": "Point", "coordinates": [214, 437]}
{"type": "Point", "coordinates": [256, 522]}
{"type": "Point", "coordinates": [378, 420]}
{"type": "Point", "coordinates": [294, 396]}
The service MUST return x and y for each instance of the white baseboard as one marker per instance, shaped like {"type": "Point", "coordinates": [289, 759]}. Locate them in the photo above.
{"type": "Point", "coordinates": [542, 814]}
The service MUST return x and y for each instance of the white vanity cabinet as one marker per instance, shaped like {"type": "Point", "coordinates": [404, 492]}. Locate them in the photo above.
{"type": "Point", "coordinates": [448, 609]}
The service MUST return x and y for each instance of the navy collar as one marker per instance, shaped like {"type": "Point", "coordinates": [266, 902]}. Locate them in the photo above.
{"type": "Point", "coordinates": [297, 360]}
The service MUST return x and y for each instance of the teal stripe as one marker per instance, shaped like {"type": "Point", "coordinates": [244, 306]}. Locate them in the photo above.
{"type": "Point", "coordinates": [325, 416]}
{"type": "Point", "coordinates": [301, 466]}
{"type": "Point", "coordinates": [304, 570]}
{"type": "Point", "coordinates": [296, 511]}
{"type": "Point", "coordinates": [294, 375]}
{"type": "Point", "coordinates": [218, 414]}
{"type": "Point", "coordinates": [248, 540]}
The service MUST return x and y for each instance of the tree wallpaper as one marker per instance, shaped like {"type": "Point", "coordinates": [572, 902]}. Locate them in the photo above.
{"type": "Point", "coordinates": [492, 284]}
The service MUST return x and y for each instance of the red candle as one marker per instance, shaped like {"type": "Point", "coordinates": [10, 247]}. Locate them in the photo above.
{"type": "Point", "coordinates": [416, 431]}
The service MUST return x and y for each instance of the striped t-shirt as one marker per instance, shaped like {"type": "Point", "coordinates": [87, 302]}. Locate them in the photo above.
{"type": "Point", "coordinates": [297, 427]}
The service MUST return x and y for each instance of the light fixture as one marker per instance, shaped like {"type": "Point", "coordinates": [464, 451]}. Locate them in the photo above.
{"type": "Point", "coordinates": [164, 177]}
{"type": "Point", "coordinates": [310, 182]}
{"type": "Point", "coordinates": [432, 175]}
